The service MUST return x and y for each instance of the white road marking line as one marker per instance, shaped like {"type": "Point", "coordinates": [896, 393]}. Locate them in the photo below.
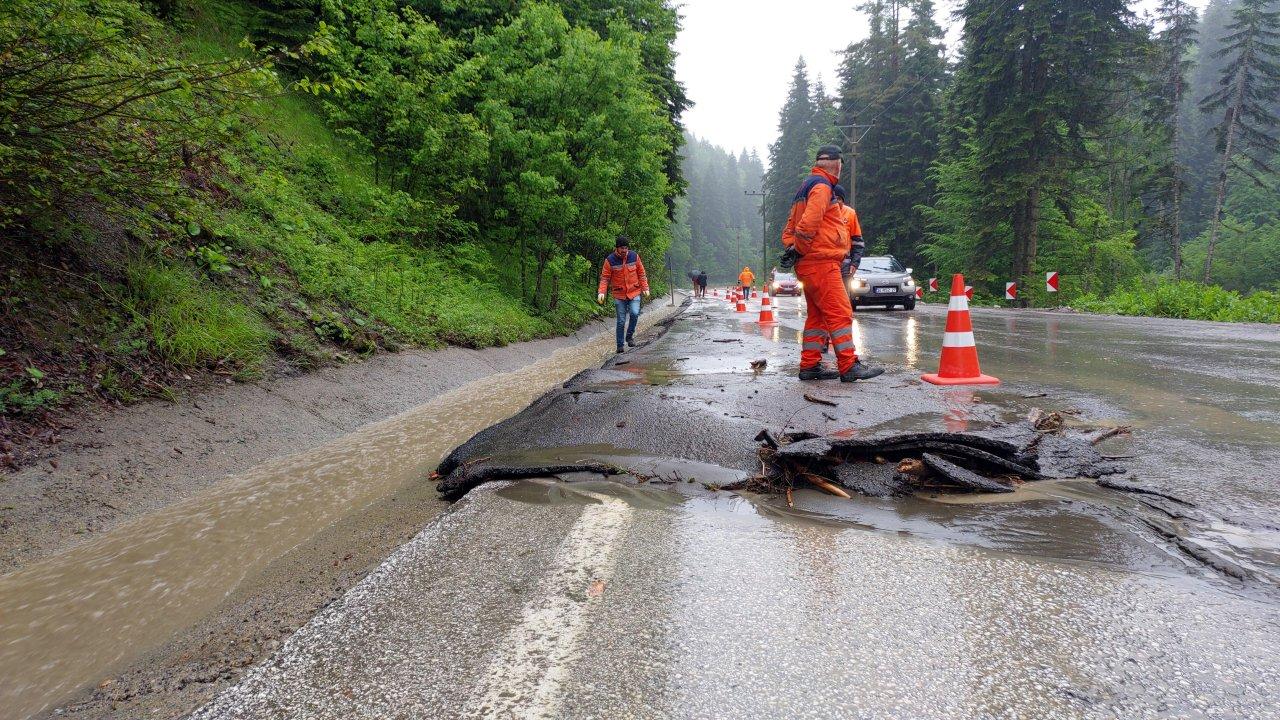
{"type": "Point", "coordinates": [524, 678]}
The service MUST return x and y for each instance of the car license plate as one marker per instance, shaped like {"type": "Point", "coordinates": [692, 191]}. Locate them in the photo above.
{"type": "Point", "coordinates": [885, 290]}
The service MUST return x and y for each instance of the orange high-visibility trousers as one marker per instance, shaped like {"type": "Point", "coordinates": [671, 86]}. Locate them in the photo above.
{"type": "Point", "coordinates": [830, 315]}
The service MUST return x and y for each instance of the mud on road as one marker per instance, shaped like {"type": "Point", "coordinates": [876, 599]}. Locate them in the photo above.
{"type": "Point", "coordinates": [189, 577]}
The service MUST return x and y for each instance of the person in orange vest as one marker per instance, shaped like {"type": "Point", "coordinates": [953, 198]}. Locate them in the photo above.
{"type": "Point", "coordinates": [746, 278]}
{"type": "Point", "coordinates": [849, 266]}
{"type": "Point", "coordinates": [625, 272]}
{"type": "Point", "coordinates": [817, 242]}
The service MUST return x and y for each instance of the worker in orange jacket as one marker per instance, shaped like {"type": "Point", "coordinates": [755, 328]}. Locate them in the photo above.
{"type": "Point", "coordinates": [849, 266]}
{"type": "Point", "coordinates": [624, 272]}
{"type": "Point", "coordinates": [817, 240]}
{"type": "Point", "coordinates": [746, 279]}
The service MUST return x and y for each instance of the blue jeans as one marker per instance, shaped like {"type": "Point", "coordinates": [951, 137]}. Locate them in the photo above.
{"type": "Point", "coordinates": [628, 315]}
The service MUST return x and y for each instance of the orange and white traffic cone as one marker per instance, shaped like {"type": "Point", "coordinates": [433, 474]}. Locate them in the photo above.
{"type": "Point", "coordinates": [959, 365]}
{"type": "Point", "coordinates": [766, 310]}
{"type": "Point", "coordinates": [742, 305]}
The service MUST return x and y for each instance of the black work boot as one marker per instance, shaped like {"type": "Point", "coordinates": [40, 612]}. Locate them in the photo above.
{"type": "Point", "coordinates": [861, 371]}
{"type": "Point", "coordinates": [621, 349]}
{"type": "Point", "coordinates": [631, 342]}
{"type": "Point", "coordinates": [817, 372]}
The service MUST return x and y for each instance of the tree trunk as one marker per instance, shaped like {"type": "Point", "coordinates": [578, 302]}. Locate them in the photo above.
{"type": "Point", "coordinates": [1175, 228]}
{"type": "Point", "coordinates": [1232, 118]}
{"type": "Point", "coordinates": [537, 286]}
{"type": "Point", "coordinates": [1026, 220]}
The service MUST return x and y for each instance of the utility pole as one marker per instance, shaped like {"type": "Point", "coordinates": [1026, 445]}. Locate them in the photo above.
{"type": "Point", "coordinates": [764, 240]}
{"type": "Point", "coordinates": [853, 135]}
{"type": "Point", "coordinates": [737, 234]}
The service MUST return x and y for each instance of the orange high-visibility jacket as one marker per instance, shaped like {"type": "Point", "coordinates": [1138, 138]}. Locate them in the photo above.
{"type": "Point", "coordinates": [625, 274]}
{"type": "Point", "coordinates": [851, 222]}
{"type": "Point", "coordinates": [746, 277]}
{"type": "Point", "coordinates": [817, 226]}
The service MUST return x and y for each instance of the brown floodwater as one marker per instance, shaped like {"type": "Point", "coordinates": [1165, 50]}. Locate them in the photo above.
{"type": "Point", "coordinates": [69, 620]}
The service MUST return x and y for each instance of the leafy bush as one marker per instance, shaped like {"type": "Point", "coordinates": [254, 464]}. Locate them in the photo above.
{"type": "Point", "coordinates": [192, 324]}
{"type": "Point", "coordinates": [1163, 297]}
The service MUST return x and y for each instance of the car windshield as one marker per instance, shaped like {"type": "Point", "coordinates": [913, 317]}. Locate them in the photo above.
{"type": "Point", "coordinates": [783, 277]}
{"type": "Point", "coordinates": [880, 264]}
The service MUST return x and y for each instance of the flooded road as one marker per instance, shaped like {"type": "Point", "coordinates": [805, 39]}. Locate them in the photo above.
{"type": "Point", "coordinates": [68, 620]}
{"type": "Point", "coordinates": [545, 600]}
{"type": "Point", "coordinates": [661, 596]}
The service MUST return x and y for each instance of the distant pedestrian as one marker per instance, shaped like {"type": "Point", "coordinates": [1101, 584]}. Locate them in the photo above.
{"type": "Point", "coordinates": [624, 271]}
{"type": "Point", "coordinates": [746, 278]}
{"type": "Point", "coordinates": [702, 283]}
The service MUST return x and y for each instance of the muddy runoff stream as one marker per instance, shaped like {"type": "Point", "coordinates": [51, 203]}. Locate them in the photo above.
{"type": "Point", "coordinates": [70, 619]}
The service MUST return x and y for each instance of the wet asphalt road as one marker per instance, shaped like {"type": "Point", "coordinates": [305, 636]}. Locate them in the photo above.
{"type": "Point", "coordinates": [667, 599]}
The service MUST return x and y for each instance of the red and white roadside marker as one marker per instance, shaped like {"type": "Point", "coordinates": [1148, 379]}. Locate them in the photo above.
{"type": "Point", "coordinates": [1011, 291]}
{"type": "Point", "coordinates": [919, 293]}
{"type": "Point", "coordinates": [933, 284]}
{"type": "Point", "coordinates": [1051, 282]}
{"type": "Point", "coordinates": [968, 292]}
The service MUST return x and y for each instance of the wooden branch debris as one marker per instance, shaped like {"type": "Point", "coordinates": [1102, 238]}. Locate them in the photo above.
{"type": "Point", "coordinates": [820, 401]}
{"type": "Point", "coordinates": [827, 485]}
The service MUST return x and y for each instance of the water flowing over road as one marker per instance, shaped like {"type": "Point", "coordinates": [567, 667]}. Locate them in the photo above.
{"type": "Point", "coordinates": [657, 595]}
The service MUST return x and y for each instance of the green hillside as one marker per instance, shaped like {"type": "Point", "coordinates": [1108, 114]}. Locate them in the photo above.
{"type": "Point", "coordinates": [224, 189]}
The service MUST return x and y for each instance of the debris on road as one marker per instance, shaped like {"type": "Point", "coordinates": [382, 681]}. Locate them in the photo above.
{"type": "Point", "coordinates": [819, 400]}
{"type": "Point", "coordinates": [994, 461]}
{"type": "Point", "coordinates": [759, 364]}
{"type": "Point", "coordinates": [463, 478]}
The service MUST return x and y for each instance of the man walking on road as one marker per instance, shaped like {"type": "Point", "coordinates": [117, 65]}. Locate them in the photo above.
{"type": "Point", "coordinates": [746, 278]}
{"type": "Point", "coordinates": [817, 242]}
{"type": "Point", "coordinates": [624, 271]}
{"type": "Point", "coordinates": [702, 283]}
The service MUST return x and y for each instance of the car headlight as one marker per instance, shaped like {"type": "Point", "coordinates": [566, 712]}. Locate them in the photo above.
{"type": "Point", "coordinates": [910, 282]}
{"type": "Point", "coordinates": [799, 285]}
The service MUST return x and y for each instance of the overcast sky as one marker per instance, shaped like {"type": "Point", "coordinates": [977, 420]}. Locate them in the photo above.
{"type": "Point", "coordinates": [736, 59]}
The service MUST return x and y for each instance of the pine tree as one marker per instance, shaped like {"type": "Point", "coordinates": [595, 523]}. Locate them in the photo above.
{"type": "Point", "coordinates": [1174, 44]}
{"type": "Point", "coordinates": [790, 156]}
{"type": "Point", "coordinates": [1036, 81]}
{"type": "Point", "coordinates": [1246, 94]}
{"type": "Point", "coordinates": [893, 81]}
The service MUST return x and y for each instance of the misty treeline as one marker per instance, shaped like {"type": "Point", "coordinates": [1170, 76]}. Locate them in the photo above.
{"type": "Point", "coordinates": [717, 224]}
{"type": "Point", "coordinates": [1079, 137]}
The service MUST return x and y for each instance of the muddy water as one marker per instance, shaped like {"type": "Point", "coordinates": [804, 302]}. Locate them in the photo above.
{"type": "Point", "coordinates": [1204, 399]}
{"type": "Point", "coordinates": [67, 621]}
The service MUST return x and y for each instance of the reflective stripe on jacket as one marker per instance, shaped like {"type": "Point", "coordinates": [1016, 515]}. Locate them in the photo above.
{"type": "Point", "coordinates": [626, 275]}
{"type": "Point", "coordinates": [817, 226]}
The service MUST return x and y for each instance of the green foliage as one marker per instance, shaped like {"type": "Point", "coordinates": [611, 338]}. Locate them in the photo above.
{"type": "Point", "coordinates": [90, 102]}
{"type": "Point", "coordinates": [1035, 83]}
{"type": "Point", "coordinates": [1163, 297]}
{"type": "Point", "coordinates": [891, 85]}
{"type": "Point", "coordinates": [194, 325]}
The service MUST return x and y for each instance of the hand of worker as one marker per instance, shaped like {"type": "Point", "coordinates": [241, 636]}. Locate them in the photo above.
{"type": "Point", "coordinates": [599, 298]}
{"type": "Point", "coordinates": [646, 293]}
{"type": "Point", "coordinates": [788, 258]}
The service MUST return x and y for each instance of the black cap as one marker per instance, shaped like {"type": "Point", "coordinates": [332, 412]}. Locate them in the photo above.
{"type": "Point", "coordinates": [622, 241]}
{"type": "Point", "coordinates": [829, 152]}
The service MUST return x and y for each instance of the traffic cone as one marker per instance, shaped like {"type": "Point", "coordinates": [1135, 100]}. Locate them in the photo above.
{"type": "Point", "coordinates": [959, 365]}
{"type": "Point", "coordinates": [766, 310]}
{"type": "Point", "coordinates": [742, 305]}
